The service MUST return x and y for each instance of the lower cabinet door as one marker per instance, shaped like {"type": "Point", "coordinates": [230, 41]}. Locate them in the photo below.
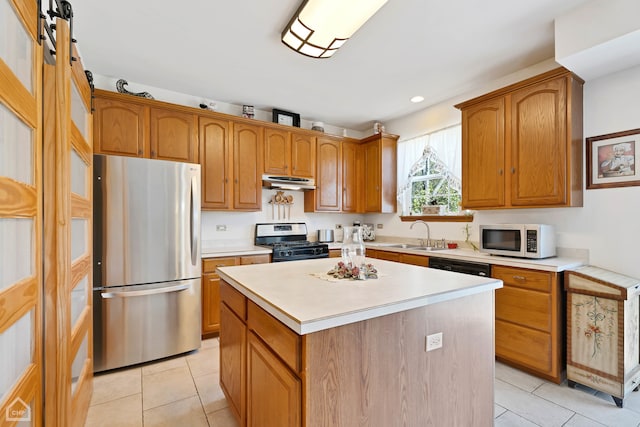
{"type": "Point", "coordinates": [274, 393]}
{"type": "Point", "coordinates": [210, 303]}
{"type": "Point", "coordinates": [233, 350]}
{"type": "Point", "coordinates": [524, 346]}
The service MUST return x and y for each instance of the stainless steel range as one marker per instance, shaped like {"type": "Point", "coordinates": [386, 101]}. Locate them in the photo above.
{"type": "Point", "coordinates": [289, 242]}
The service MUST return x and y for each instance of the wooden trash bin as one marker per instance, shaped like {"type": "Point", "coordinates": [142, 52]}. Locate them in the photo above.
{"type": "Point", "coordinates": [602, 331]}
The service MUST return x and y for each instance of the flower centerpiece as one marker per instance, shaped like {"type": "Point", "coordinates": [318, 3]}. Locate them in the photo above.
{"type": "Point", "coordinates": [349, 271]}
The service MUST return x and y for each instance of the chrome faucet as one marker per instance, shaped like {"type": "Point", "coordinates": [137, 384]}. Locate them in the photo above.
{"type": "Point", "coordinates": [422, 241]}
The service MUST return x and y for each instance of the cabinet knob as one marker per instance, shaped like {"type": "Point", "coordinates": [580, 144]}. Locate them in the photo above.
{"type": "Point", "coordinates": [226, 180]}
{"type": "Point", "coordinates": [139, 152]}
{"type": "Point", "coordinates": [513, 170]}
{"type": "Point", "coordinates": [286, 167]}
{"type": "Point", "coordinates": [153, 153]}
{"type": "Point", "coordinates": [520, 278]}
{"type": "Point", "coordinates": [235, 180]}
{"type": "Point", "coordinates": [500, 172]}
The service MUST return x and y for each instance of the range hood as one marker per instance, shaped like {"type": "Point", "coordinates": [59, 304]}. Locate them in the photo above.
{"type": "Point", "coordinates": [288, 182]}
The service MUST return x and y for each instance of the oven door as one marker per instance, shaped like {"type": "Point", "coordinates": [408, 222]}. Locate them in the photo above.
{"type": "Point", "coordinates": [296, 254]}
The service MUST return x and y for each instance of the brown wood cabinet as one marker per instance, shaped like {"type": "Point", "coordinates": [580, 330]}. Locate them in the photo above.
{"type": "Point", "coordinates": [211, 287]}
{"type": "Point", "coordinates": [529, 325]}
{"type": "Point", "coordinates": [174, 135]}
{"type": "Point", "coordinates": [247, 166]}
{"type": "Point", "coordinates": [274, 362]}
{"type": "Point", "coordinates": [352, 173]}
{"type": "Point", "coordinates": [522, 145]}
{"type": "Point", "coordinates": [215, 159]}
{"type": "Point", "coordinates": [289, 153]}
{"type": "Point", "coordinates": [233, 350]}
{"type": "Point", "coordinates": [380, 165]}
{"type": "Point", "coordinates": [120, 128]}
{"type": "Point", "coordinates": [230, 156]}
{"type": "Point", "coordinates": [328, 193]}
{"type": "Point", "coordinates": [260, 364]}
{"type": "Point", "coordinates": [139, 128]}
{"type": "Point", "coordinates": [421, 260]}
{"type": "Point", "coordinates": [211, 293]}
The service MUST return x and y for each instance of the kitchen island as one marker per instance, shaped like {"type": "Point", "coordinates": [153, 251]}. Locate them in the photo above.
{"type": "Point", "coordinates": [299, 350]}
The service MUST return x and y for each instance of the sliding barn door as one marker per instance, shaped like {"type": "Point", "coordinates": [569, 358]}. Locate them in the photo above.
{"type": "Point", "coordinates": [68, 230]}
{"type": "Point", "coordinates": [20, 215]}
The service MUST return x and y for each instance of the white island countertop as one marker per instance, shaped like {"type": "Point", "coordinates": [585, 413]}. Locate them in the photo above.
{"type": "Point", "coordinates": [290, 292]}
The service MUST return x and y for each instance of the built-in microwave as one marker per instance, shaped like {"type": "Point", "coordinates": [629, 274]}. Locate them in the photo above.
{"type": "Point", "coordinates": [518, 240]}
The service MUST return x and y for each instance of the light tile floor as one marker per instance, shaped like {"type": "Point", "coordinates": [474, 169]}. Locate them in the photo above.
{"type": "Point", "coordinates": [184, 391]}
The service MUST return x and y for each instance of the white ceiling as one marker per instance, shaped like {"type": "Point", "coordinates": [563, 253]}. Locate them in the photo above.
{"type": "Point", "coordinates": [230, 51]}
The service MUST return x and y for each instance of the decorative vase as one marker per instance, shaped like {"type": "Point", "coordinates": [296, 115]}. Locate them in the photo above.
{"type": "Point", "coordinates": [353, 251]}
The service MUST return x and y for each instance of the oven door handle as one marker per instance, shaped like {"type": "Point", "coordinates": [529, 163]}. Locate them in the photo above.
{"type": "Point", "coordinates": [127, 294]}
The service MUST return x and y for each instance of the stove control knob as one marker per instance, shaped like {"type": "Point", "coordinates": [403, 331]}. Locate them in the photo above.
{"type": "Point", "coordinates": [289, 253]}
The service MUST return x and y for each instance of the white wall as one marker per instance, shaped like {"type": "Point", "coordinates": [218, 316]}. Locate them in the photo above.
{"type": "Point", "coordinates": [608, 225]}
{"type": "Point", "coordinates": [241, 225]}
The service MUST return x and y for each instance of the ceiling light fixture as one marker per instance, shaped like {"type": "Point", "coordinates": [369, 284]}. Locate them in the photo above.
{"type": "Point", "coordinates": [320, 27]}
{"type": "Point", "coordinates": [417, 99]}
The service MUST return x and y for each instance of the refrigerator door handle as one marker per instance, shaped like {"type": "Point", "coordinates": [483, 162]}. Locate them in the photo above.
{"type": "Point", "coordinates": [193, 214]}
{"type": "Point", "coordinates": [126, 294]}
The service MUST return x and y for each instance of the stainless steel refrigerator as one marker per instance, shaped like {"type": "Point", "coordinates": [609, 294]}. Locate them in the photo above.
{"type": "Point", "coordinates": [146, 276]}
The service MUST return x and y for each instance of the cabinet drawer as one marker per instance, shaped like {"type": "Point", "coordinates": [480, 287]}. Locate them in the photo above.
{"type": "Point", "coordinates": [282, 340]}
{"type": "Point", "coordinates": [233, 299]}
{"type": "Point", "coordinates": [388, 256]}
{"type": "Point", "coordinates": [537, 280]}
{"type": "Point", "coordinates": [523, 346]}
{"type": "Point", "coordinates": [209, 265]}
{"type": "Point", "coordinates": [415, 259]}
{"type": "Point", "coordinates": [524, 307]}
{"type": "Point", "coordinates": [255, 259]}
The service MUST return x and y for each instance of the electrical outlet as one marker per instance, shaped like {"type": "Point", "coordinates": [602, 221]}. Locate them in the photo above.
{"type": "Point", "coordinates": [338, 226]}
{"type": "Point", "coordinates": [221, 228]}
{"type": "Point", "coordinates": [433, 341]}
{"type": "Point", "coordinates": [379, 226]}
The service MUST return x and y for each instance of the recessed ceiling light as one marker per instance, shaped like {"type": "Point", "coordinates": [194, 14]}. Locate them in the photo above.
{"type": "Point", "coordinates": [417, 99]}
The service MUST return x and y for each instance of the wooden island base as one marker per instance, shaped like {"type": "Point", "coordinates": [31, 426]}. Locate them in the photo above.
{"type": "Point", "coordinates": [374, 372]}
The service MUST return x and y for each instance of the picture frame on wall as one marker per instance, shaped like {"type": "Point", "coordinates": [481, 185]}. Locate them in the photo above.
{"type": "Point", "coordinates": [611, 160]}
{"type": "Point", "coordinates": [286, 118]}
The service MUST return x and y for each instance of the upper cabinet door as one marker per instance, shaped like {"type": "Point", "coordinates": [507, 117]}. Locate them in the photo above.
{"type": "Point", "coordinates": [350, 173]}
{"type": "Point", "coordinates": [328, 193]}
{"type": "Point", "coordinates": [303, 155]}
{"type": "Point", "coordinates": [174, 135]}
{"type": "Point", "coordinates": [483, 168]}
{"type": "Point", "coordinates": [539, 144]}
{"type": "Point", "coordinates": [373, 180]}
{"type": "Point", "coordinates": [120, 128]}
{"type": "Point", "coordinates": [277, 152]}
{"type": "Point", "coordinates": [215, 161]}
{"type": "Point", "coordinates": [247, 167]}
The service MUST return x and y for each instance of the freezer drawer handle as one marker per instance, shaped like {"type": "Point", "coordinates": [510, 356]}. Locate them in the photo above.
{"type": "Point", "coordinates": [126, 294]}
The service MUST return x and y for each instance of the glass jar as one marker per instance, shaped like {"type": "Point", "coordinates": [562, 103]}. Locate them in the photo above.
{"type": "Point", "coordinates": [353, 251]}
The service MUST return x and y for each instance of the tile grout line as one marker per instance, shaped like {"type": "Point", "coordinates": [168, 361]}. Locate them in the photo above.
{"type": "Point", "coordinates": [196, 387]}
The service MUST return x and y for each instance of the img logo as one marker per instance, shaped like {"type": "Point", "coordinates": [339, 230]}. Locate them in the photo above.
{"type": "Point", "coordinates": [18, 410]}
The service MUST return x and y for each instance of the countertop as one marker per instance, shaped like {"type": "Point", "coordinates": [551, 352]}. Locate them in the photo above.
{"type": "Point", "coordinates": [305, 303]}
{"type": "Point", "coordinates": [233, 249]}
{"type": "Point", "coordinates": [553, 264]}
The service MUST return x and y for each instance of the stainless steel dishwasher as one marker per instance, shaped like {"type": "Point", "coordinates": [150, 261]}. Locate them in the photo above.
{"type": "Point", "coordinates": [459, 266]}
